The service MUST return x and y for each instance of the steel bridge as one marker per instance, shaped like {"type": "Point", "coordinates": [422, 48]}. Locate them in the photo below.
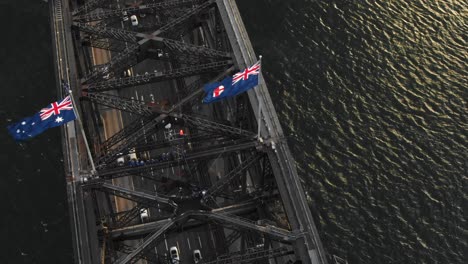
{"type": "Point", "coordinates": [171, 171]}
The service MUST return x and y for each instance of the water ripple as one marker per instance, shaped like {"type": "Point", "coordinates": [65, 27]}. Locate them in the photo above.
{"type": "Point", "coordinates": [373, 96]}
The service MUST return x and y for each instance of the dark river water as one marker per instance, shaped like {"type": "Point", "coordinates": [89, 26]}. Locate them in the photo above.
{"type": "Point", "coordinates": [372, 96]}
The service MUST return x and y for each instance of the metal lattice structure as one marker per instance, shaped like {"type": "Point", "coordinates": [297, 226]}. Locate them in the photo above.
{"type": "Point", "coordinates": [173, 172]}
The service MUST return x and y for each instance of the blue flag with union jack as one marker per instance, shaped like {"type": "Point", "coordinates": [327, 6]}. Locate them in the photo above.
{"type": "Point", "coordinates": [231, 86]}
{"type": "Point", "coordinates": [56, 114]}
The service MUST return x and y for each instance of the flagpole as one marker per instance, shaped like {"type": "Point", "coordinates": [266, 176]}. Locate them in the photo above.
{"type": "Point", "coordinates": [259, 103]}
{"type": "Point", "coordinates": [80, 124]}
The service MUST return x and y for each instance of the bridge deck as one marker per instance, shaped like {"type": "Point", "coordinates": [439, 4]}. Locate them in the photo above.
{"type": "Point", "coordinates": [87, 207]}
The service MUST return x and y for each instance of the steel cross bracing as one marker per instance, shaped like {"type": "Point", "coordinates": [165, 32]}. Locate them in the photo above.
{"type": "Point", "coordinates": [140, 197]}
{"type": "Point", "coordinates": [190, 157]}
{"type": "Point", "coordinates": [232, 237]}
{"type": "Point", "coordinates": [148, 109]}
{"type": "Point", "coordinates": [139, 107]}
{"type": "Point", "coordinates": [236, 172]}
{"type": "Point", "coordinates": [250, 255]}
{"type": "Point", "coordinates": [124, 104]}
{"type": "Point", "coordinates": [183, 18]}
{"type": "Point", "coordinates": [103, 14]}
{"type": "Point", "coordinates": [129, 129]}
{"type": "Point", "coordinates": [116, 46]}
{"type": "Point", "coordinates": [231, 220]}
{"type": "Point", "coordinates": [132, 51]}
{"type": "Point", "coordinates": [193, 90]}
{"type": "Point", "coordinates": [107, 32]}
{"type": "Point", "coordinates": [118, 63]}
{"type": "Point", "coordinates": [89, 6]}
{"type": "Point", "coordinates": [131, 36]}
{"type": "Point", "coordinates": [146, 228]}
{"type": "Point", "coordinates": [157, 76]}
{"type": "Point", "coordinates": [127, 217]}
{"type": "Point", "coordinates": [209, 126]}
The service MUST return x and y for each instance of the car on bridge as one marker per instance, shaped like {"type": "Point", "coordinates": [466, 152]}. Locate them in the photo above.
{"type": "Point", "coordinates": [174, 253]}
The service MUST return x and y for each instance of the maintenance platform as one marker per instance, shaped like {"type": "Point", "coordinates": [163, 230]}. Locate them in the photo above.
{"type": "Point", "coordinates": [154, 175]}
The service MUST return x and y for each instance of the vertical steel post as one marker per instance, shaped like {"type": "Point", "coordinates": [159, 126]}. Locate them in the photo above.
{"type": "Point", "coordinates": [80, 124]}
{"type": "Point", "coordinates": [259, 103]}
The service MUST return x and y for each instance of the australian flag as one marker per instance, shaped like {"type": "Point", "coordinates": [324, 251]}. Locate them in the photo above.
{"type": "Point", "coordinates": [232, 85]}
{"type": "Point", "coordinates": [56, 114]}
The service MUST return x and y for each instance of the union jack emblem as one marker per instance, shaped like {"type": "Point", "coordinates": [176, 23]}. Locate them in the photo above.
{"type": "Point", "coordinates": [244, 75]}
{"type": "Point", "coordinates": [56, 107]}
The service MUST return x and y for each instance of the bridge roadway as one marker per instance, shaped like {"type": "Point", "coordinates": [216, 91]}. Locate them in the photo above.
{"type": "Point", "coordinates": [84, 229]}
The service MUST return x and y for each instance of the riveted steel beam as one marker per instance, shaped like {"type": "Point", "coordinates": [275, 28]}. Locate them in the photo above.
{"type": "Point", "coordinates": [125, 104]}
{"type": "Point", "coordinates": [164, 5]}
{"type": "Point", "coordinates": [118, 63]}
{"type": "Point", "coordinates": [224, 219]}
{"type": "Point", "coordinates": [157, 76]}
{"type": "Point", "coordinates": [183, 18]}
{"type": "Point", "coordinates": [140, 197]}
{"type": "Point", "coordinates": [116, 46]}
{"type": "Point", "coordinates": [250, 255]}
{"type": "Point", "coordinates": [89, 6]}
{"type": "Point", "coordinates": [228, 178]}
{"type": "Point", "coordinates": [216, 150]}
{"type": "Point", "coordinates": [106, 32]}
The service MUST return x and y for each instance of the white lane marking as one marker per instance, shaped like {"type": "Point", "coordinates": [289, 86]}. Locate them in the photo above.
{"type": "Point", "coordinates": [188, 242]}
{"type": "Point", "coordinates": [199, 241]}
{"type": "Point", "coordinates": [212, 238]}
{"type": "Point", "coordinates": [165, 242]}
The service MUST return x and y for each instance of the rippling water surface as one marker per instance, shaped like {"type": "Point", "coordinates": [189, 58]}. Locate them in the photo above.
{"type": "Point", "coordinates": [372, 95]}
{"type": "Point", "coordinates": [34, 222]}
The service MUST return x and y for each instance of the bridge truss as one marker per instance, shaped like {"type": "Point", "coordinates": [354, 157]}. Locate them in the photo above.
{"type": "Point", "coordinates": [174, 167]}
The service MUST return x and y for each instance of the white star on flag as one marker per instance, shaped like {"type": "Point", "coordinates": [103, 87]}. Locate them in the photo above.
{"type": "Point", "coordinates": [59, 119]}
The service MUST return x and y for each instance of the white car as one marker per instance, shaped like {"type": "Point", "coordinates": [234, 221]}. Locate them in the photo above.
{"type": "Point", "coordinates": [124, 16]}
{"type": "Point", "coordinates": [197, 256]}
{"type": "Point", "coordinates": [174, 253]}
{"type": "Point", "coordinates": [143, 214]}
{"type": "Point", "coordinates": [134, 20]}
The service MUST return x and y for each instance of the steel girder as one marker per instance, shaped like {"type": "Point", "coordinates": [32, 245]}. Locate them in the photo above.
{"type": "Point", "coordinates": [89, 6]}
{"type": "Point", "coordinates": [157, 76]}
{"type": "Point", "coordinates": [116, 46]}
{"type": "Point", "coordinates": [170, 44]}
{"type": "Point", "coordinates": [139, 230]}
{"type": "Point", "coordinates": [236, 172]}
{"type": "Point", "coordinates": [103, 14]}
{"type": "Point", "coordinates": [128, 130]}
{"type": "Point", "coordinates": [123, 104]}
{"type": "Point", "coordinates": [189, 157]}
{"type": "Point", "coordinates": [138, 130]}
{"type": "Point", "coordinates": [125, 218]}
{"type": "Point", "coordinates": [130, 141]}
{"type": "Point", "coordinates": [213, 127]}
{"type": "Point", "coordinates": [118, 63]}
{"type": "Point", "coordinates": [231, 220]}
{"type": "Point", "coordinates": [139, 197]}
{"type": "Point", "coordinates": [107, 32]}
{"type": "Point", "coordinates": [232, 237]}
{"type": "Point", "coordinates": [149, 109]}
{"type": "Point", "coordinates": [250, 255]}
{"type": "Point", "coordinates": [182, 47]}
{"type": "Point", "coordinates": [182, 19]}
{"type": "Point", "coordinates": [127, 58]}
